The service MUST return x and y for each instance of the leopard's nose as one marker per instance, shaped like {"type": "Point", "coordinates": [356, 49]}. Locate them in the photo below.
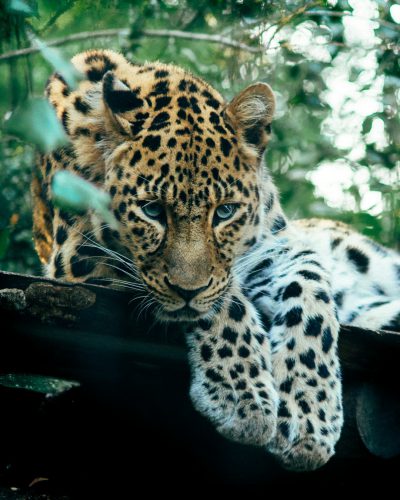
{"type": "Point", "coordinates": [186, 293]}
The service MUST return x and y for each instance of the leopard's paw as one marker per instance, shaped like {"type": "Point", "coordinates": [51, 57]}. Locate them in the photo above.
{"type": "Point", "coordinates": [243, 416]}
{"type": "Point", "coordinates": [305, 442]}
{"type": "Point", "coordinates": [306, 455]}
{"type": "Point", "coordinates": [253, 425]}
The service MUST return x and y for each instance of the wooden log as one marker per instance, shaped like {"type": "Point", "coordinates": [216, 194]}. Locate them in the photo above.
{"type": "Point", "coordinates": [94, 335]}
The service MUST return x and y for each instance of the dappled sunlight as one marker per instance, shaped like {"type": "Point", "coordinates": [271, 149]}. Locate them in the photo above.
{"type": "Point", "coordinates": [332, 180]}
{"type": "Point", "coordinates": [395, 13]}
{"type": "Point", "coordinates": [355, 96]}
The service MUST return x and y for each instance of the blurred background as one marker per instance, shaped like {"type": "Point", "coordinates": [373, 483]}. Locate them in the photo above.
{"type": "Point", "coordinates": [334, 66]}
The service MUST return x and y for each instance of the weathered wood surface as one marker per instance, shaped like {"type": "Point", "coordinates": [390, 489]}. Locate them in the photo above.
{"type": "Point", "coordinates": [93, 334]}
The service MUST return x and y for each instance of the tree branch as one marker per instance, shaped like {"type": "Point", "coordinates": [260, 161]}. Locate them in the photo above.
{"type": "Point", "coordinates": [222, 40]}
{"type": "Point", "coordinates": [185, 35]}
{"type": "Point", "coordinates": [124, 32]}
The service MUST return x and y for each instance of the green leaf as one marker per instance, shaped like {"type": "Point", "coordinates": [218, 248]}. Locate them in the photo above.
{"type": "Point", "coordinates": [75, 194]}
{"type": "Point", "coordinates": [62, 65]}
{"type": "Point", "coordinates": [37, 383]}
{"type": "Point", "coordinates": [4, 241]}
{"type": "Point", "coordinates": [23, 8]}
{"type": "Point", "coordinates": [36, 121]}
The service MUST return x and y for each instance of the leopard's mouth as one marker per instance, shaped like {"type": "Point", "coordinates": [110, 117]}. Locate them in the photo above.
{"type": "Point", "coordinates": [185, 313]}
{"type": "Point", "coordinates": [189, 312]}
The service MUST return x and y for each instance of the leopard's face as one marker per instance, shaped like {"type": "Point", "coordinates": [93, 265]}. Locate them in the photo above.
{"type": "Point", "coordinates": [183, 170]}
{"type": "Point", "coordinates": [187, 209]}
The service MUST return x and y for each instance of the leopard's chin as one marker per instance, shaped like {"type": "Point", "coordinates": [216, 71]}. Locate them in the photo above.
{"type": "Point", "coordinates": [185, 313]}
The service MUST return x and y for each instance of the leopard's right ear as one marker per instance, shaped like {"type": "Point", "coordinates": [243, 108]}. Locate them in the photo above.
{"type": "Point", "coordinates": [251, 113]}
{"type": "Point", "coordinates": [120, 101]}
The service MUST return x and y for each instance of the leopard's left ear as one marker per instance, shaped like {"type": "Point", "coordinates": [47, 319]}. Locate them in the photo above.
{"type": "Point", "coordinates": [119, 101]}
{"type": "Point", "coordinates": [251, 113]}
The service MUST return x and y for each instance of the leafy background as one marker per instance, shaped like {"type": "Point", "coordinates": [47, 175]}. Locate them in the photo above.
{"type": "Point", "coordinates": [333, 64]}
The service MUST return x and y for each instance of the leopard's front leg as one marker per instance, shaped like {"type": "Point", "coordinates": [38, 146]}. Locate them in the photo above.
{"type": "Point", "coordinates": [232, 383]}
{"type": "Point", "coordinates": [304, 335]}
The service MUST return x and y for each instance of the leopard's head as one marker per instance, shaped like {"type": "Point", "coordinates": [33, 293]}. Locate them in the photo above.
{"type": "Point", "coordinates": [184, 171]}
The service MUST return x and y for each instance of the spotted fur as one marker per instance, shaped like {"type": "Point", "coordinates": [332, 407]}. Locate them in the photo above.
{"type": "Point", "coordinates": [262, 296]}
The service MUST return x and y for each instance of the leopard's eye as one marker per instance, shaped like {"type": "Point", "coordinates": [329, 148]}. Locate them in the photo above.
{"type": "Point", "coordinates": [224, 212]}
{"type": "Point", "coordinates": [153, 210]}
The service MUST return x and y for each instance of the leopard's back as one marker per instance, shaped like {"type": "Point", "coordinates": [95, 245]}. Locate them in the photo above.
{"type": "Point", "coordinates": [365, 276]}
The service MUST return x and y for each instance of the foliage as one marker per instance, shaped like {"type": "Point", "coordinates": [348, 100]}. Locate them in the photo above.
{"type": "Point", "coordinates": [31, 119]}
{"type": "Point", "coordinates": [75, 194]}
{"type": "Point", "coordinates": [333, 64]}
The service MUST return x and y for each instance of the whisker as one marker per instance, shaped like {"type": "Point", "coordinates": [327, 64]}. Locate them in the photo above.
{"type": "Point", "coordinates": [96, 244]}
{"type": "Point", "coordinates": [124, 271]}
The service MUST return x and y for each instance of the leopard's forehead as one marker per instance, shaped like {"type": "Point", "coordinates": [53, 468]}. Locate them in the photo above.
{"type": "Point", "coordinates": [172, 108]}
{"type": "Point", "coordinates": [184, 172]}
{"type": "Point", "coordinates": [185, 177]}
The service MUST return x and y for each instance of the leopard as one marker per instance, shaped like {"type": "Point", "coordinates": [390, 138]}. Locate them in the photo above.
{"type": "Point", "coordinates": [202, 235]}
